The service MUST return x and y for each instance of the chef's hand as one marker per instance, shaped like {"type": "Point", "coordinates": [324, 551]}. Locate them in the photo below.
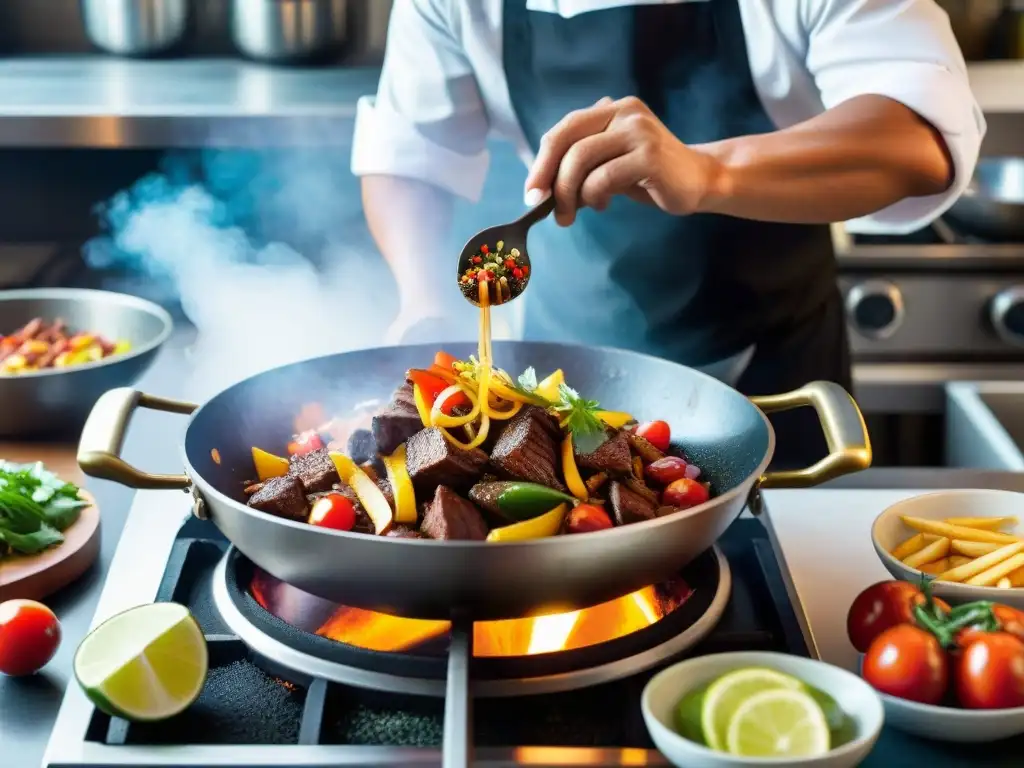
{"type": "Point", "coordinates": [618, 148]}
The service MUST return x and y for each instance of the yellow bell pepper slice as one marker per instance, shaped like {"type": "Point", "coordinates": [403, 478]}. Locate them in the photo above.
{"type": "Point", "coordinates": [401, 486]}
{"type": "Point", "coordinates": [268, 465]}
{"type": "Point", "coordinates": [615, 419]}
{"type": "Point", "coordinates": [548, 389]}
{"type": "Point", "coordinates": [539, 527]}
{"type": "Point", "coordinates": [421, 405]}
{"type": "Point", "coordinates": [121, 347]}
{"type": "Point", "coordinates": [369, 495]}
{"type": "Point", "coordinates": [572, 473]}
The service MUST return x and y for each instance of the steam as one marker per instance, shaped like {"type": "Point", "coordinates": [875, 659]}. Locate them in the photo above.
{"type": "Point", "coordinates": [267, 251]}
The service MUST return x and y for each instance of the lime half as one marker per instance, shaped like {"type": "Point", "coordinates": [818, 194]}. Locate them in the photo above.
{"type": "Point", "coordinates": [148, 663]}
{"type": "Point", "coordinates": [727, 693]}
{"type": "Point", "coordinates": [779, 723]}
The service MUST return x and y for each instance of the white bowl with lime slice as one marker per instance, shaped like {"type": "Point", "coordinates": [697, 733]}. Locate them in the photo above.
{"type": "Point", "coordinates": [759, 708]}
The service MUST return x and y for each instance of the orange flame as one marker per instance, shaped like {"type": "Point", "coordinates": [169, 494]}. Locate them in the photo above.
{"type": "Point", "coordinates": [511, 637]}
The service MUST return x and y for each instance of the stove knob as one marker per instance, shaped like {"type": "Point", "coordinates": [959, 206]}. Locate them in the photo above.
{"type": "Point", "coordinates": [874, 308]}
{"type": "Point", "coordinates": [1007, 315]}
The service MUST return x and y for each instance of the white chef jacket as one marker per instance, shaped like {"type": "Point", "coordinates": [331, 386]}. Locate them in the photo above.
{"type": "Point", "coordinates": [443, 92]}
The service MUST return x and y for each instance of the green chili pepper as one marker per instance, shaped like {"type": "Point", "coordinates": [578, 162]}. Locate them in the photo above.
{"type": "Point", "coordinates": [516, 501]}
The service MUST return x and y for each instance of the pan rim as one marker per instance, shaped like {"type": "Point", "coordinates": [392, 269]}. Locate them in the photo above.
{"type": "Point", "coordinates": [207, 490]}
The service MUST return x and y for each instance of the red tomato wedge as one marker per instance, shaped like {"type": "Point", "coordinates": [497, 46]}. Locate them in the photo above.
{"type": "Point", "coordinates": [431, 386]}
{"type": "Point", "coordinates": [443, 360]}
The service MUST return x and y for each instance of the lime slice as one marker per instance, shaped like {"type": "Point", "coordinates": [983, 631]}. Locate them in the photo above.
{"type": "Point", "coordinates": [148, 663]}
{"type": "Point", "coordinates": [687, 715]}
{"type": "Point", "coordinates": [779, 723]}
{"type": "Point", "coordinates": [727, 693]}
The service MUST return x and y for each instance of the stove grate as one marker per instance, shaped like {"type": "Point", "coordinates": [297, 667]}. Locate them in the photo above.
{"type": "Point", "coordinates": [245, 703]}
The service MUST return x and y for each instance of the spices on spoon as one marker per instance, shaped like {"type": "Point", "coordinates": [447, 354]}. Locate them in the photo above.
{"type": "Point", "coordinates": [504, 269]}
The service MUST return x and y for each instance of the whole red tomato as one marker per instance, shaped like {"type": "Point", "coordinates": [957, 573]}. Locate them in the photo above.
{"type": "Point", "coordinates": [990, 672]}
{"type": "Point", "coordinates": [657, 433]}
{"type": "Point", "coordinates": [907, 662]}
{"type": "Point", "coordinates": [881, 606]}
{"type": "Point", "coordinates": [29, 636]}
{"type": "Point", "coordinates": [1011, 621]}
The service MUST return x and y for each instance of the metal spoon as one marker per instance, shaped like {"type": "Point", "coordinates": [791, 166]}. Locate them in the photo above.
{"type": "Point", "coordinates": [507, 283]}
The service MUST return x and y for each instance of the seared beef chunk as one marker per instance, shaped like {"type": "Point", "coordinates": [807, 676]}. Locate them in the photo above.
{"type": "Point", "coordinates": [403, 532]}
{"type": "Point", "coordinates": [528, 448]}
{"type": "Point", "coordinates": [611, 456]}
{"type": "Point", "coordinates": [315, 469]}
{"type": "Point", "coordinates": [431, 461]}
{"type": "Point", "coordinates": [629, 507]}
{"type": "Point", "coordinates": [485, 494]}
{"type": "Point", "coordinates": [449, 516]}
{"type": "Point", "coordinates": [361, 446]}
{"type": "Point", "coordinates": [397, 422]}
{"type": "Point", "coordinates": [282, 496]}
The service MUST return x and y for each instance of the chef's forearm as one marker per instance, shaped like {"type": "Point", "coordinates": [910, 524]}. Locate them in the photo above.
{"type": "Point", "coordinates": [410, 222]}
{"type": "Point", "coordinates": [851, 161]}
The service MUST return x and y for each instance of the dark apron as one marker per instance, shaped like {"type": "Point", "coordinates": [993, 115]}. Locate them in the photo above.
{"type": "Point", "coordinates": [694, 289]}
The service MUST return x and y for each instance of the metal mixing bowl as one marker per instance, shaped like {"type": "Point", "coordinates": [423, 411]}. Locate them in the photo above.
{"type": "Point", "coordinates": [135, 27]}
{"type": "Point", "coordinates": [57, 401]}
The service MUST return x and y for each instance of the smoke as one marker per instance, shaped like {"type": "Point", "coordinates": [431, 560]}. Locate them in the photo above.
{"type": "Point", "coordinates": [268, 252]}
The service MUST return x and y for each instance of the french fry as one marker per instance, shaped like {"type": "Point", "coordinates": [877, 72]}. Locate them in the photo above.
{"type": "Point", "coordinates": [932, 552]}
{"type": "Point", "coordinates": [982, 564]}
{"type": "Point", "coordinates": [955, 561]}
{"type": "Point", "coordinates": [972, 548]}
{"type": "Point", "coordinates": [940, 565]}
{"type": "Point", "coordinates": [984, 523]}
{"type": "Point", "coordinates": [1003, 583]}
{"type": "Point", "coordinates": [1016, 578]}
{"type": "Point", "coordinates": [912, 545]}
{"type": "Point", "coordinates": [939, 528]}
{"type": "Point", "coordinates": [996, 572]}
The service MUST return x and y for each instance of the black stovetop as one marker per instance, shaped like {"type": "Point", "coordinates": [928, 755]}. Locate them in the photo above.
{"type": "Point", "coordinates": [246, 703]}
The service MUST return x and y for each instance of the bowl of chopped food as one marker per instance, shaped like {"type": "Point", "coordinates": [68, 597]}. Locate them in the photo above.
{"type": "Point", "coordinates": [969, 544]}
{"type": "Point", "coordinates": [61, 348]}
{"type": "Point", "coordinates": [758, 708]}
{"type": "Point", "coordinates": [946, 673]}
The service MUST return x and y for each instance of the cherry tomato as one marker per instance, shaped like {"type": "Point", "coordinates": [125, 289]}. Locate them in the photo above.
{"type": "Point", "coordinates": [305, 443]}
{"type": "Point", "coordinates": [907, 662]}
{"type": "Point", "coordinates": [484, 249]}
{"type": "Point", "coordinates": [685, 493]}
{"type": "Point", "coordinates": [333, 511]}
{"type": "Point", "coordinates": [29, 636]}
{"type": "Point", "coordinates": [1011, 620]}
{"type": "Point", "coordinates": [657, 433]}
{"type": "Point", "coordinates": [990, 672]}
{"type": "Point", "coordinates": [517, 273]}
{"type": "Point", "coordinates": [881, 606]}
{"type": "Point", "coordinates": [484, 275]}
{"type": "Point", "coordinates": [477, 259]}
{"type": "Point", "coordinates": [585, 518]}
{"type": "Point", "coordinates": [666, 470]}
{"type": "Point", "coordinates": [510, 263]}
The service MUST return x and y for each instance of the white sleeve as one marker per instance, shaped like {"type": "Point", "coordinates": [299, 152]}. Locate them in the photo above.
{"type": "Point", "coordinates": [905, 50]}
{"type": "Point", "coordinates": [428, 121]}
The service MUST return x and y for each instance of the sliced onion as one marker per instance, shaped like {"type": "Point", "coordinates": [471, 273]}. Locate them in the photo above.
{"type": "Point", "coordinates": [692, 472]}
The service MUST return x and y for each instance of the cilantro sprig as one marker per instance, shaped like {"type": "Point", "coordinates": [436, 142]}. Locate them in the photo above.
{"type": "Point", "coordinates": [35, 506]}
{"type": "Point", "coordinates": [579, 416]}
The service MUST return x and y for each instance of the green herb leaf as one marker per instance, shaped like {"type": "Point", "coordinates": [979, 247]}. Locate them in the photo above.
{"type": "Point", "coordinates": [31, 543]}
{"type": "Point", "coordinates": [528, 380]}
{"type": "Point", "coordinates": [579, 416]}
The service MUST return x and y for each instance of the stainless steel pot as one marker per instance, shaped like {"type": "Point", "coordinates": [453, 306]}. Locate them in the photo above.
{"type": "Point", "coordinates": [726, 434]}
{"type": "Point", "coordinates": [284, 31]}
{"type": "Point", "coordinates": [135, 27]}
{"type": "Point", "coordinates": [992, 206]}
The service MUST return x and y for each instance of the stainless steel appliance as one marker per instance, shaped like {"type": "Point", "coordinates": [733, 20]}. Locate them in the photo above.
{"type": "Point", "coordinates": [922, 313]}
{"type": "Point", "coordinates": [135, 27]}
{"type": "Point", "coordinates": [288, 30]}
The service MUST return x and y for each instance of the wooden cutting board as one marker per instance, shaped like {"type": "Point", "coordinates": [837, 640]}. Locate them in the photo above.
{"type": "Point", "coordinates": [36, 576]}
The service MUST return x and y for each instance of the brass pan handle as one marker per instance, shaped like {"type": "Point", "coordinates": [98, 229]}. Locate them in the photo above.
{"type": "Point", "coordinates": [99, 449]}
{"type": "Point", "coordinates": [849, 447]}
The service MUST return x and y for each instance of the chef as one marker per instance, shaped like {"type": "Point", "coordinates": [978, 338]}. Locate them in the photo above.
{"type": "Point", "coordinates": [697, 151]}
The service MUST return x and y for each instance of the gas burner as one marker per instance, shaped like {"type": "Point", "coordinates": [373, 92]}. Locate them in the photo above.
{"type": "Point", "coordinates": [306, 637]}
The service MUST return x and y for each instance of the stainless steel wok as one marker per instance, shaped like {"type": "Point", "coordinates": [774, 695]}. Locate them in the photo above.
{"type": "Point", "coordinates": [726, 434]}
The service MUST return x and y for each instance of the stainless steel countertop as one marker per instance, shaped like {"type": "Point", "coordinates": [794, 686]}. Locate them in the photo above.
{"type": "Point", "coordinates": [103, 102]}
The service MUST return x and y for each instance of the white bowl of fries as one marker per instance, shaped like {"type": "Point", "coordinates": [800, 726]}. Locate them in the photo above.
{"type": "Point", "coordinates": [968, 543]}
